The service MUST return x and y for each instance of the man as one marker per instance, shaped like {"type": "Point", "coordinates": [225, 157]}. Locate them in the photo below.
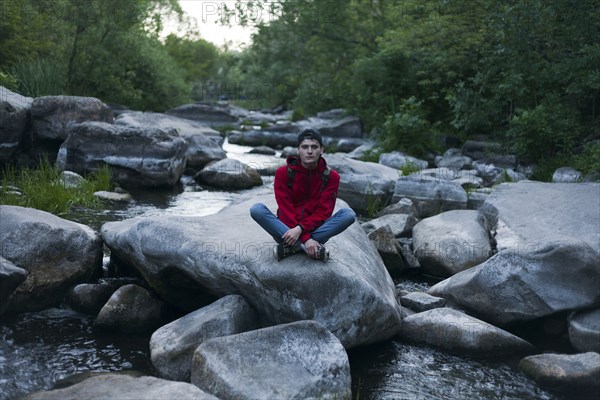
{"type": "Point", "coordinates": [305, 191]}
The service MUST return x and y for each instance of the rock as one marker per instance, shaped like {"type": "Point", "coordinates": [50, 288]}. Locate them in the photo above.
{"type": "Point", "coordinates": [477, 198]}
{"type": "Point", "coordinates": [455, 162]}
{"type": "Point", "coordinates": [336, 113]}
{"type": "Point", "coordinates": [89, 298]}
{"type": "Point", "coordinates": [229, 174]}
{"type": "Point", "coordinates": [409, 258]}
{"type": "Point", "coordinates": [479, 149]}
{"type": "Point", "coordinates": [11, 277]}
{"type": "Point", "coordinates": [346, 145]}
{"type": "Point", "coordinates": [183, 258]}
{"type": "Point", "coordinates": [71, 179]}
{"type": "Point", "coordinates": [593, 176]}
{"type": "Point", "coordinates": [584, 330]}
{"type": "Point", "coordinates": [398, 160]}
{"type": "Point", "coordinates": [51, 115]}
{"type": "Point", "coordinates": [348, 127]}
{"type": "Point", "coordinates": [443, 173]}
{"type": "Point", "coordinates": [14, 121]}
{"type": "Point", "coordinates": [264, 137]}
{"type": "Point", "coordinates": [526, 215]}
{"type": "Point", "coordinates": [364, 185]}
{"type": "Point", "coordinates": [400, 224]}
{"type": "Point", "coordinates": [388, 248]}
{"type": "Point", "coordinates": [132, 308]}
{"type": "Point", "coordinates": [300, 360]}
{"type": "Point", "coordinates": [113, 196]}
{"type": "Point", "coordinates": [214, 115]}
{"type": "Point", "coordinates": [266, 150]}
{"type": "Point", "coordinates": [149, 157]}
{"type": "Point", "coordinates": [566, 175]}
{"type": "Point", "coordinates": [121, 386]}
{"type": "Point", "coordinates": [288, 151]}
{"type": "Point", "coordinates": [203, 142]}
{"type": "Point", "coordinates": [538, 280]}
{"type": "Point", "coordinates": [451, 242]}
{"type": "Point", "coordinates": [566, 371]}
{"type": "Point", "coordinates": [172, 346]}
{"type": "Point", "coordinates": [508, 175]}
{"type": "Point", "coordinates": [55, 252]}
{"type": "Point", "coordinates": [452, 330]}
{"type": "Point", "coordinates": [403, 206]}
{"type": "Point", "coordinates": [361, 151]}
{"type": "Point", "coordinates": [468, 179]}
{"type": "Point", "coordinates": [420, 301]}
{"type": "Point", "coordinates": [429, 195]}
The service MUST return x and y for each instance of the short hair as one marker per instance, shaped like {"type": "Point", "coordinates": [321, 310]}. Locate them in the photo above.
{"type": "Point", "coordinates": [310, 133]}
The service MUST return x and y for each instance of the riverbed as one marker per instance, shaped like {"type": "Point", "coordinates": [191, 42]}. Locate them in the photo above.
{"type": "Point", "coordinates": [39, 349]}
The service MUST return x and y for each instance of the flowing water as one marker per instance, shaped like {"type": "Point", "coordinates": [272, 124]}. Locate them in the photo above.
{"type": "Point", "coordinates": [38, 349]}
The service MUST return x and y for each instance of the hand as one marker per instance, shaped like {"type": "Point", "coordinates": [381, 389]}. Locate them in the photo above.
{"type": "Point", "coordinates": [311, 247]}
{"type": "Point", "coordinates": [292, 235]}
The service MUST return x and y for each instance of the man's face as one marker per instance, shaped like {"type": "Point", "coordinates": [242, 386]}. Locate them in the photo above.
{"type": "Point", "coordinates": [309, 152]}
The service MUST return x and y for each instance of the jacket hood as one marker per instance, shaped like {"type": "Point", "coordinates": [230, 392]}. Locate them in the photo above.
{"type": "Point", "coordinates": [294, 163]}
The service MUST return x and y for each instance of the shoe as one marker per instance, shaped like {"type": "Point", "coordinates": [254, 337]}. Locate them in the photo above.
{"type": "Point", "coordinates": [282, 251]}
{"type": "Point", "coordinates": [323, 254]}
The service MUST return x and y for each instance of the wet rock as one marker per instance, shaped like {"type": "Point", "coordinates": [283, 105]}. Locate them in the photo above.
{"type": "Point", "coordinates": [430, 195]}
{"type": "Point", "coordinates": [11, 277]}
{"type": "Point", "coordinates": [420, 301]}
{"type": "Point", "coordinates": [55, 252]}
{"type": "Point", "coordinates": [229, 174]}
{"type": "Point", "coordinates": [204, 143]}
{"type": "Point", "coordinates": [452, 330]}
{"type": "Point", "coordinates": [121, 386]}
{"type": "Point", "coordinates": [388, 248]}
{"type": "Point", "coordinates": [228, 253]}
{"type": "Point", "coordinates": [132, 309]}
{"type": "Point", "coordinates": [52, 115]}
{"type": "Point", "coordinates": [89, 298]}
{"type": "Point", "coordinates": [567, 371]}
{"type": "Point", "coordinates": [172, 346]}
{"type": "Point", "coordinates": [566, 175]}
{"type": "Point", "coordinates": [398, 160]}
{"type": "Point", "coordinates": [584, 330]}
{"type": "Point", "coordinates": [364, 185]}
{"type": "Point", "coordinates": [14, 121]}
{"type": "Point", "coordinates": [451, 242]}
{"type": "Point", "coordinates": [400, 224]}
{"type": "Point", "coordinates": [295, 361]}
{"type": "Point", "coordinates": [93, 144]}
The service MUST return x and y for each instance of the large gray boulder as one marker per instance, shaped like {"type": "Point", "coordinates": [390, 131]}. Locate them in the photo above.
{"type": "Point", "coordinates": [51, 115]}
{"type": "Point", "coordinates": [452, 330]}
{"type": "Point", "coordinates": [301, 360]}
{"type": "Point", "coordinates": [203, 141]}
{"type": "Point", "coordinates": [55, 252]}
{"type": "Point", "coordinates": [149, 157]}
{"type": "Point", "coordinates": [348, 127]}
{"type": "Point", "coordinates": [564, 371]}
{"type": "Point", "coordinates": [400, 224]}
{"type": "Point", "coordinates": [397, 160]}
{"type": "Point", "coordinates": [123, 387]}
{"type": "Point", "coordinates": [522, 285]}
{"type": "Point", "coordinates": [263, 137]}
{"type": "Point", "coordinates": [451, 242]}
{"type": "Point", "coordinates": [584, 330]}
{"type": "Point", "coordinates": [228, 253]}
{"type": "Point", "coordinates": [229, 174]}
{"type": "Point", "coordinates": [365, 186]}
{"type": "Point", "coordinates": [566, 175]}
{"type": "Point", "coordinates": [214, 115]}
{"type": "Point", "coordinates": [430, 196]}
{"type": "Point", "coordinates": [14, 121]}
{"type": "Point", "coordinates": [131, 308]}
{"type": "Point", "coordinates": [11, 277]}
{"type": "Point", "coordinates": [172, 346]}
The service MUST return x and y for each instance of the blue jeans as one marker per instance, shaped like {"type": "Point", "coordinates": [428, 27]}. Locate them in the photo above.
{"type": "Point", "coordinates": [334, 225]}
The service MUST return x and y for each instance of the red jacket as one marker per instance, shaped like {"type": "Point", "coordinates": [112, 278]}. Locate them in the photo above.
{"type": "Point", "coordinates": [305, 204]}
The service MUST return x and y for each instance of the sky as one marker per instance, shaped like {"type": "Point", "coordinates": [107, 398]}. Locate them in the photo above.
{"type": "Point", "coordinates": [207, 14]}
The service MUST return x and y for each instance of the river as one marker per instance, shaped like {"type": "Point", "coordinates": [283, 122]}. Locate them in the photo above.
{"type": "Point", "coordinates": [38, 349]}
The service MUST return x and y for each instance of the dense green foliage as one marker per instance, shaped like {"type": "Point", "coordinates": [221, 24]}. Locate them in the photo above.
{"type": "Point", "coordinates": [43, 188]}
{"type": "Point", "coordinates": [110, 49]}
{"type": "Point", "coordinates": [525, 72]}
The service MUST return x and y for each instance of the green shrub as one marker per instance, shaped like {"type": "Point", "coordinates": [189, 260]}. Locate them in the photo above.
{"type": "Point", "coordinates": [40, 77]}
{"type": "Point", "coordinates": [409, 168]}
{"type": "Point", "coordinates": [43, 189]}
{"type": "Point", "coordinates": [589, 159]}
{"type": "Point", "coordinates": [8, 81]}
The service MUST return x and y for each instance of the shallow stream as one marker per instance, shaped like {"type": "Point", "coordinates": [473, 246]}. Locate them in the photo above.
{"type": "Point", "coordinates": [38, 349]}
